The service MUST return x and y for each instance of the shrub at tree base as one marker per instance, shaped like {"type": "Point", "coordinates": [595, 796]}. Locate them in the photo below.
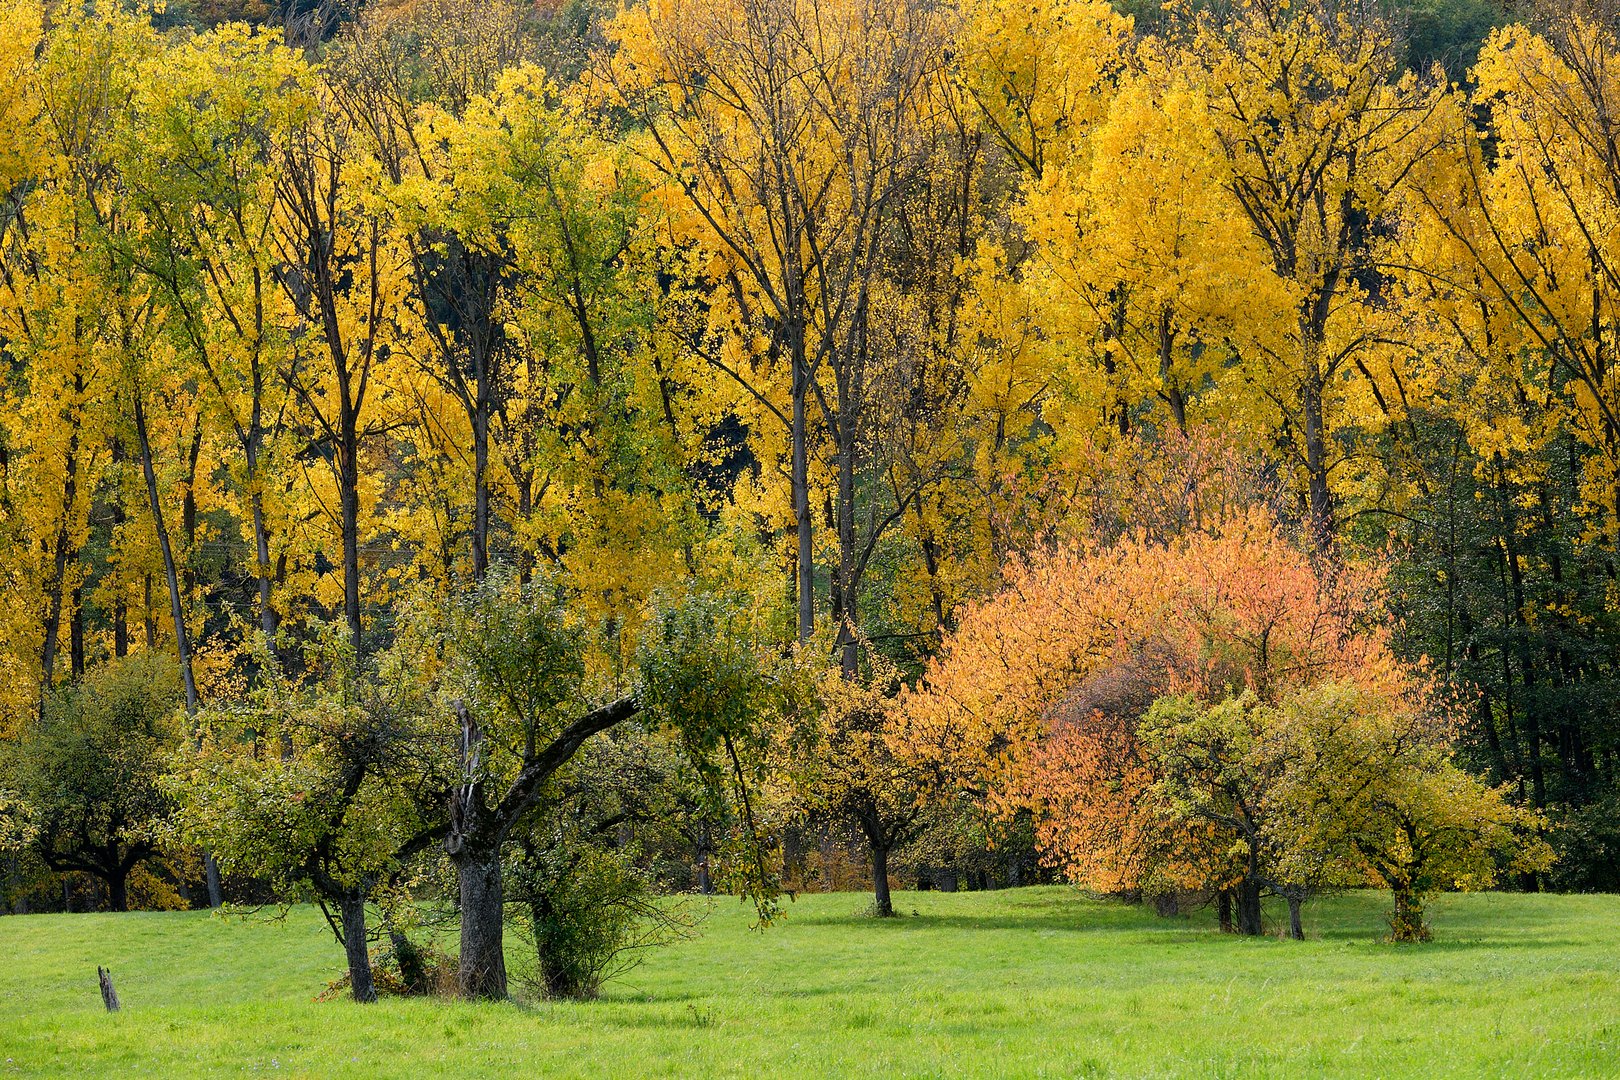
{"type": "Point", "coordinates": [434, 974]}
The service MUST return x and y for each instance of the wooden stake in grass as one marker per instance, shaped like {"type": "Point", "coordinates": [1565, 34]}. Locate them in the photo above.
{"type": "Point", "coordinates": [109, 996]}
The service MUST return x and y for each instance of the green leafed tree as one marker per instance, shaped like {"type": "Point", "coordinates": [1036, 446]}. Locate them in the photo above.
{"type": "Point", "coordinates": [86, 772]}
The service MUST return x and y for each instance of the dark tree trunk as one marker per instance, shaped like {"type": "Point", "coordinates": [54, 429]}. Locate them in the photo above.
{"type": "Point", "coordinates": [930, 554]}
{"type": "Point", "coordinates": [188, 515]}
{"type": "Point", "coordinates": [118, 889]}
{"type": "Point", "coordinates": [62, 556]}
{"type": "Point", "coordinates": [1316, 464]}
{"type": "Point", "coordinates": [806, 575]}
{"type": "Point", "coordinates": [561, 980]}
{"type": "Point", "coordinates": [845, 605]}
{"type": "Point", "coordinates": [1167, 352]}
{"type": "Point", "coordinates": [412, 970]}
{"type": "Point", "coordinates": [705, 880]}
{"type": "Point", "coordinates": [353, 909]}
{"type": "Point", "coordinates": [109, 996]}
{"type": "Point", "coordinates": [1296, 924]}
{"type": "Point", "coordinates": [76, 633]}
{"type": "Point", "coordinates": [262, 568]}
{"type": "Point", "coordinates": [171, 572]}
{"type": "Point", "coordinates": [216, 891]}
{"type": "Point", "coordinates": [477, 834]}
{"type": "Point", "coordinates": [120, 627]}
{"type": "Point", "coordinates": [1527, 664]}
{"type": "Point", "coordinates": [1248, 907]}
{"type": "Point", "coordinates": [882, 903]}
{"type": "Point", "coordinates": [349, 497]}
{"type": "Point", "coordinates": [482, 968]}
{"type": "Point", "coordinates": [182, 640]}
{"type": "Point", "coordinates": [480, 426]}
{"type": "Point", "coordinates": [1223, 910]}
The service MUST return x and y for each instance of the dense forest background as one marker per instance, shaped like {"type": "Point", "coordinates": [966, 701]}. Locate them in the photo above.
{"type": "Point", "coordinates": [325, 323]}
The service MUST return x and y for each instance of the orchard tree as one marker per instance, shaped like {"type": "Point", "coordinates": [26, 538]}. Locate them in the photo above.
{"type": "Point", "coordinates": [86, 772]}
{"type": "Point", "coordinates": [845, 770]}
{"type": "Point", "coordinates": [1208, 771]}
{"type": "Point", "coordinates": [1371, 784]}
{"type": "Point", "coordinates": [586, 872]}
{"type": "Point", "coordinates": [1238, 605]}
{"type": "Point", "coordinates": [326, 788]}
{"type": "Point", "coordinates": [1037, 701]}
{"type": "Point", "coordinates": [524, 673]}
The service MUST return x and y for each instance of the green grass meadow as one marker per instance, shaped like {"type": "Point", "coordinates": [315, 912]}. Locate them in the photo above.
{"type": "Point", "coordinates": [1028, 982]}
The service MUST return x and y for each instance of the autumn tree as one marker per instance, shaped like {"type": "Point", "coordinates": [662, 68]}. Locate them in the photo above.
{"type": "Point", "coordinates": [1318, 133]}
{"type": "Point", "coordinates": [586, 417]}
{"type": "Point", "coordinates": [392, 66]}
{"type": "Point", "coordinates": [69, 93]}
{"type": "Point", "coordinates": [1037, 699]}
{"type": "Point", "coordinates": [1371, 784]}
{"type": "Point", "coordinates": [783, 134]}
{"type": "Point", "coordinates": [199, 159]}
{"type": "Point", "coordinates": [1512, 278]}
{"type": "Point", "coordinates": [845, 771]}
{"type": "Point", "coordinates": [342, 270]}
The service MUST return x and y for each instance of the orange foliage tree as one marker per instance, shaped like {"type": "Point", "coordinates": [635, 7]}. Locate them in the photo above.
{"type": "Point", "coordinates": [1034, 701]}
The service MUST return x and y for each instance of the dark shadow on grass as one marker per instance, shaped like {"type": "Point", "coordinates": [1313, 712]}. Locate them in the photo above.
{"type": "Point", "coordinates": [1356, 918]}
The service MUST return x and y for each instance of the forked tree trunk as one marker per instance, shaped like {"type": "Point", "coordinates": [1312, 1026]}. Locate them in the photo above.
{"type": "Point", "coordinates": [109, 996]}
{"type": "Point", "coordinates": [478, 832]}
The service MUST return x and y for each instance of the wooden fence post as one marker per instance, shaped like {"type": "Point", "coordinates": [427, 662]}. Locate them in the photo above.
{"type": "Point", "coordinates": [109, 996]}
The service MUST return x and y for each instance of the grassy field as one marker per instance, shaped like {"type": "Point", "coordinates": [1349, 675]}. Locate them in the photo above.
{"type": "Point", "coordinates": [1031, 982]}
